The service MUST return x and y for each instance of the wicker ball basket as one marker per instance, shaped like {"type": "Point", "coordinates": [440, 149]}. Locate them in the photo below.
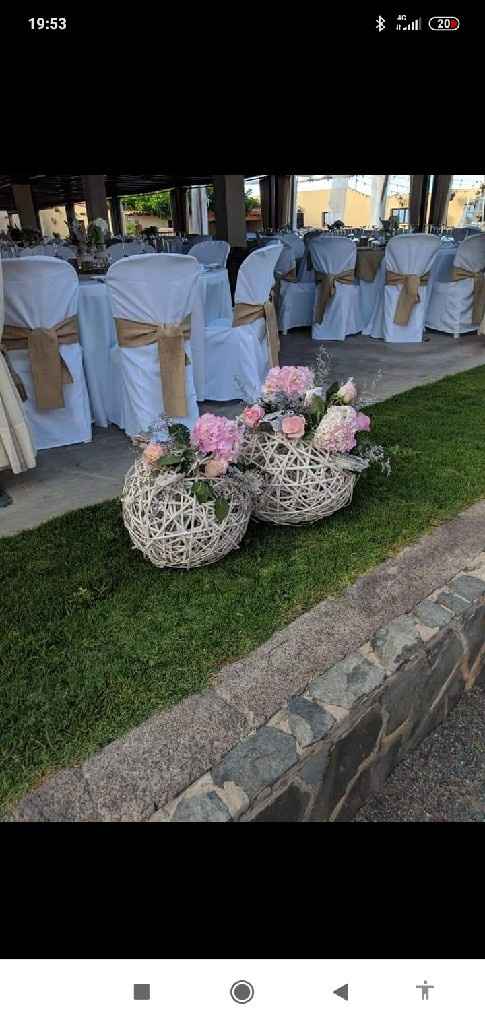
{"type": "Point", "coordinates": [302, 484]}
{"type": "Point", "coordinates": [174, 530]}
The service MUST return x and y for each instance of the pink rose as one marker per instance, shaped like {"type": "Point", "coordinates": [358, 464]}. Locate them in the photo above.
{"type": "Point", "coordinates": [153, 452]}
{"type": "Point", "coordinates": [348, 392]}
{"type": "Point", "coordinates": [293, 427]}
{"type": "Point", "coordinates": [215, 467]}
{"type": "Point", "coordinates": [362, 421]}
{"type": "Point", "coordinates": [252, 415]}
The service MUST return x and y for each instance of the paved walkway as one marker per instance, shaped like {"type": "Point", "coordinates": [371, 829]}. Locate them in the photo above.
{"type": "Point", "coordinates": [444, 779]}
{"type": "Point", "coordinates": [79, 475]}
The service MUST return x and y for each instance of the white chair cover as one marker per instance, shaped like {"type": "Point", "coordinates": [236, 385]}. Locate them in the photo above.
{"type": "Point", "coordinates": [159, 288]}
{"type": "Point", "coordinates": [17, 450]}
{"type": "Point", "coordinates": [405, 254]}
{"type": "Point", "coordinates": [286, 261]}
{"type": "Point", "coordinates": [450, 306]}
{"type": "Point", "coordinates": [296, 243]}
{"type": "Point", "coordinates": [371, 293]}
{"type": "Point", "coordinates": [37, 250]}
{"type": "Point", "coordinates": [211, 252]}
{"type": "Point", "coordinates": [40, 292]}
{"type": "Point", "coordinates": [65, 252]}
{"type": "Point", "coordinates": [117, 251]}
{"type": "Point", "coordinates": [237, 359]}
{"type": "Point", "coordinates": [173, 244]}
{"type": "Point", "coordinates": [334, 255]}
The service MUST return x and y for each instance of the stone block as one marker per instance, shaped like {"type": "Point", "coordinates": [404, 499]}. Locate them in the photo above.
{"type": "Point", "coordinates": [347, 682]}
{"type": "Point", "coordinates": [257, 761]}
{"type": "Point", "coordinates": [455, 602]}
{"type": "Point", "coordinates": [64, 797]}
{"type": "Point", "coordinates": [473, 628]}
{"type": "Point", "coordinates": [288, 806]}
{"type": "Point", "coordinates": [308, 721]}
{"type": "Point", "coordinates": [469, 587]}
{"type": "Point", "coordinates": [201, 807]}
{"type": "Point", "coordinates": [432, 614]}
{"type": "Point", "coordinates": [397, 642]}
{"type": "Point", "coordinates": [345, 759]}
{"type": "Point", "coordinates": [405, 690]}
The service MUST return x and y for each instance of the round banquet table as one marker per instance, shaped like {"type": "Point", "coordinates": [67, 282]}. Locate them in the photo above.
{"type": "Point", "coordinates": [97, 335]}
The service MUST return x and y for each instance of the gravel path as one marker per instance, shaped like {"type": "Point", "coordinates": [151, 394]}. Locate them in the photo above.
{"type": "Point", "coordinates": [444, 779]}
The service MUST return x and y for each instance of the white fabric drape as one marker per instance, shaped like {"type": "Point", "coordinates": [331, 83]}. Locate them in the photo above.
{"type": "Point", "coordinates": [16, 446]}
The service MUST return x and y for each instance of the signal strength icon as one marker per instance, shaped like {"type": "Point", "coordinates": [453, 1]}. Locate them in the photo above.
{"type": "Point", "coordinates": [414, 26]}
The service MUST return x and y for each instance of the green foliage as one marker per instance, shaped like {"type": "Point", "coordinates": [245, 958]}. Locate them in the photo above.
{"type": "Point", "coordinates": [203, 491]}
{"type": "Point", "coordinates": [221, 508]}
{"type": "Point", "coordinates": [250, 202]}
{"type": "Point", "coordinates": [180, 433]}
{"type": "Point", "coordinates": [155, 203]}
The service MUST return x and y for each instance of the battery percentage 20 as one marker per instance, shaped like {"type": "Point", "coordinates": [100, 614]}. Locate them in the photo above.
{"type": "Point", "coordinates": [444, 24]}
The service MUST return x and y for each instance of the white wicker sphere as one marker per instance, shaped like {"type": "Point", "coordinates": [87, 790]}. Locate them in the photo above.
{"type": "Point", "coordinates": [302, 484]}
{"type": "Point", "coordinates": [174, 530]}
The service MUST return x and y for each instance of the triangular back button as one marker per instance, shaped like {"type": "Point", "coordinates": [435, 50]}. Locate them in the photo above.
{"type": "Point", "coordinates": [342, 992]}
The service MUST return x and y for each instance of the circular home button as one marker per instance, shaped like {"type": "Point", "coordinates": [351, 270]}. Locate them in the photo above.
{"type": "Point", "coordinates": [242, 992]}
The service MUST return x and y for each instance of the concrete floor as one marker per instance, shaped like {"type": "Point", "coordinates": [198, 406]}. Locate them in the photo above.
{"type": "Point", "coordinates": [80, 475]}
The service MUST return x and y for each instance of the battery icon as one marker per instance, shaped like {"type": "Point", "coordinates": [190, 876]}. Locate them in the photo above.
{"type": "Point", "coordinates": [444, 24]}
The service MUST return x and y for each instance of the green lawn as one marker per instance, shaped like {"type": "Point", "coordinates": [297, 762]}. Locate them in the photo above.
{"type": "Point", "coordinates": [94, 639]}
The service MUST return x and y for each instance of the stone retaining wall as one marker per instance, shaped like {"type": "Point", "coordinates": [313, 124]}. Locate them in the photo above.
{"type": "Point", "coordinates": [328, 749]}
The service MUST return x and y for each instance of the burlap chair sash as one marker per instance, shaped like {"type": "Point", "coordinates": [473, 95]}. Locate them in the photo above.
{"type": "Point", "coordinates": [478, 277]}
{"type": "Point", "coordinates": [246, 313]}
{"type": "Point", "coordinates": [289, 276]}
{"type": "Point", "coordinates": [170, 339]}
{"type": "Point", "coordinates": [49, 371]}
{"type": "Point", "coordinates": [326, 289]}
{"type": "Point", "coordinates": [368, 263]}
{"type": "Point", "coordinates": [409, 296]}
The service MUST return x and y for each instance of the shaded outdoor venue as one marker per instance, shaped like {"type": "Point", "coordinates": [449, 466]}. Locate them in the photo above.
{"type": "Point", "coordinates": [364, 281]}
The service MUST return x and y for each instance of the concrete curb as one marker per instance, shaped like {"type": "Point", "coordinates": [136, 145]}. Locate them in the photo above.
{"type": "Point", "coordinates": [282, 730]}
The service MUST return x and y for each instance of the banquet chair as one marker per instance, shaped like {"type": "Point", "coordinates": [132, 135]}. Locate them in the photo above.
{"type": "Point", "coordinates": [457, 301]}
{"type": "Point", "coordinates": [239, 355]}
{"type": "Point", "coordinates": [296, 297]}
{"type": "Point", "coordinates": [296, 243]}
{"type": "Point", "coordinates": [117, 251]}
{"type": "Point", "coordinates": [151, 296]}
{"type": "Point", "coordinates": [336, 311]}
{"type": "Point", "coordinates": [65, 252]}
{"type": "Point", "coordinates": [36, 250]}
{"type": "Point", "coordinates": [400, 313]}
{"type": "Point", "coordinates": [173, 244]}
{"type": "Point", "coordinates": [42, 293]}
{"type": "Point", "coordinates": [211, 252]}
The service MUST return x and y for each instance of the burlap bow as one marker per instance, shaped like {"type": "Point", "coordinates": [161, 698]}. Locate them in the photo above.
{"type": "Point", "coordinates": [478, 277]}
{"type": "Point", "coordinates": [246, 313]}
{"type": "Point", "coordinates": [289, 276]}
{"type": "Point", "coordinates": [409, 295]}
{"type": "Point", "coordinates": [368, 263]}
{"type": "Point", "coordinates": [326, 289]}
{"type": "Point", "coordinates": [171, 353]}
{"type": "Point", "coordinates": [49, 371]}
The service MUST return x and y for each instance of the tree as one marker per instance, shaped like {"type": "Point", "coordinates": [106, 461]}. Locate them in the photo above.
{"type": "Point", "coordinates": [250, 201]}
{"type": "Point", "coordinates": [155, 203]}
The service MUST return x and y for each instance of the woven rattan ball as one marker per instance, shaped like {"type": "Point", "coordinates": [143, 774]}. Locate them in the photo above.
{"type": "Point", "coordinates": [174, 530]}
{"type": "Point", "coordinates": [302, 484]}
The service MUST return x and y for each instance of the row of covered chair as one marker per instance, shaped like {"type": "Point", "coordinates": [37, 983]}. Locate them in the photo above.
{"type": "Point", "coordinates": [445, 293]}
{"type": "Point", "coordinates": [152, 298]}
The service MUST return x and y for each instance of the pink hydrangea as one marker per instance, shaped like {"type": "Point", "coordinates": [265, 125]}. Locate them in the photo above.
{"type": "Point", "coordinates": [292, 380]}
{"type": "Point", "coordinates": [153, 452]}
{"type": "Point", "coordinates": [336, 431]}
{"type": "Point", "coordinates": [217, 436]}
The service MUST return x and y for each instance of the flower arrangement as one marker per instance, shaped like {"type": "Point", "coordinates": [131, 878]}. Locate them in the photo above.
{"type": "Point", "coordinates": [304, 438]}
{"type": "Point", "coordinates": [186, 502]}
{"type": "Point", "coordinates": [97, 231]}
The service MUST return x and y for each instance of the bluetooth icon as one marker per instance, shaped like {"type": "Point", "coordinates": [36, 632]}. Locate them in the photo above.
{"type": "Point", "coordinates": [380, 23]}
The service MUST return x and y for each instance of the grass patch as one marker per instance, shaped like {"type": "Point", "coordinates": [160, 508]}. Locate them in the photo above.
{"type": "Point", "coordinates": [94, 639]}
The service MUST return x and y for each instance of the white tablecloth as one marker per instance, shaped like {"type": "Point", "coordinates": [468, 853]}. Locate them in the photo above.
{"type": "Point", "coordinates": [97, 335]}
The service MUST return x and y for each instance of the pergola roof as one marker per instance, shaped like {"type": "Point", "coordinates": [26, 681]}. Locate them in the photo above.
{"type": "Point", "coordinates": [56, 189]}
